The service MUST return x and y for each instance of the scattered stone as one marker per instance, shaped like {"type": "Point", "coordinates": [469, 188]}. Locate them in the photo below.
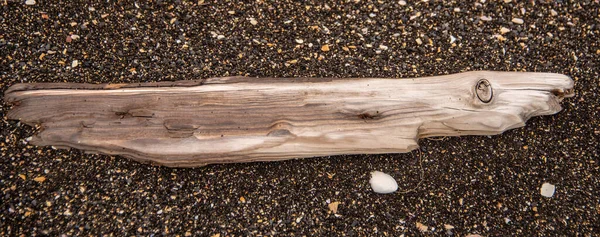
{"type": "Point", "coordinates": [456, 9]}
{"type": "Point", "coordinates": [382, 182]}
{"type": "Point", "coordinates": [452, 39]}
{"type": "Point", "coordinates": [553, 12]}
{"type": "Point", "coordinates": [299, 41]}
{"type": "Point", "coordinates": [421, 227]}
{"type": "Point", "coordinates": [74, 64]}
{"type": "Point", "coordinates": [333, 207]}
{"type": "Point", "coordinates": [485, 18]}
{"type": "Point", "coordinates": [419, 41]}
{"type": "Point", "coordinates": [40, 179]}
{"type": "Point", "coordinates": [517, 21]}
{"type": "Point", "coordinates": [75, 37]}
{"type": "Point", "coordinates": [253, 21]}
{"type": "Point", "coordinates": [220, 37]}
{"type": "Point", "coordinates": [30, 2]}
{"type": "Point", "coordinates": [325, 48]}
{"type": "Point", "coordinates": [383, 47]}
{"type": "Point", "coordinates": [504, 30]}
{"type": "Point", "coordinates": [547, 190]}
{"type": "Point", "coordinates": [402, 3]}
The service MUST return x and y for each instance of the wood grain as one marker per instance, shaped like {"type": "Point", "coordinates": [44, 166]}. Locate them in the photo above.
{"type": "Point", "coordinates": [240, 119]}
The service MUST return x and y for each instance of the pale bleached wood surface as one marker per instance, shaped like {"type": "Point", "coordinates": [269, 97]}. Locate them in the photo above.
{"type": "Point", "coordinates": [238, 119]}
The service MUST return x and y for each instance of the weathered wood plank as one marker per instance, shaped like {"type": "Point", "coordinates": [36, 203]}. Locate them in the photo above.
{"type": "Point", "coordinates": [239, 119]}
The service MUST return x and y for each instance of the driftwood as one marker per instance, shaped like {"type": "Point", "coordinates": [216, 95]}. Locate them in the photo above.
{"type": "Point", "coordinates": [239, 119]}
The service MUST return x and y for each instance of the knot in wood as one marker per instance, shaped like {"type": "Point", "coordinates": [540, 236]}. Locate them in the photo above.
{"type": "Point", "coordinates": [484, 91]}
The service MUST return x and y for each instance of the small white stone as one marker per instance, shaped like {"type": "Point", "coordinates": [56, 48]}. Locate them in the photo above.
{"type": "Point", "coordinates": [75, 37]}
{"type": "Point", "coordinates": [517, 21]}
{"type": "Point", "coordinates": [547, 190]}
{"type": "Point", "coordinates": [419, 41]}
{"type": "Point", "coordinates": [220, 37]}
{"type": "Point", "coordinates": [456, 9]}
{"type": "Point", "coordinates": [299, 41]}
{"type": "Point", "coordinates": [485, 18]}
{"type": "Point", "coordinates": [30, 2]}
{"type": "Point", "coordinates": [553, 12]}
{"type": "Point", "coordinates": [253, 21]}
{"type": "Point", "coordinates": [402, 3]}
{"type": "Point", "coordinates": [74, 64]}
{"type": "Point", "coordinates": [382, 182]}
{"type": "Point", "coordinates": [452, 39]}
{"type": "Point", "coordinates": [383, 47]}
{"type": "Point", "coordinates": [504, 30]}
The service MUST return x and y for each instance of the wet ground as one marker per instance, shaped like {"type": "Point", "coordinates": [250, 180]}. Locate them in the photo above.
{"type": "Point", "coordinates": [452, 186]}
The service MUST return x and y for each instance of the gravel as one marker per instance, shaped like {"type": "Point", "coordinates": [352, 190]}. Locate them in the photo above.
{"type": "Point", "coordinates": [479, 185]}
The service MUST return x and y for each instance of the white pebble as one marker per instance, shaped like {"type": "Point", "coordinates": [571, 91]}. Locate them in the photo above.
{"type": "Point", "coordinates": [383, 47]}
{"type": "Point", "coordinates": [382, 182]}
{"type": "Point", "coordinates": [452, 39]}
{"type": "Point", "coordinates": [485, 18]}
{"type": "Point", "coordinates": [419, 41]}
{"type": "Point", "coordinates": [456, 9]}
{"type": "Point", "coordinates": [299, 41]}
{"type": "Point", "coordinates": [504, 30]}
{"type": "Point", "coordinates": [220, 37]}
{"type": "Point", "coordinates": [74, 64]}
{"type": "Point", "coordinates": [547, 190]}
{"type": "Point", "coordinates": [75, 37]}
{"type": "Point", "coordinates": [517, 21]}
{"type": "Point", "coordinates": [253, 21]}
{"type": "Point", "coordinates": [402, 3]}
{"type": "Point", "coordinates": [30, 2]}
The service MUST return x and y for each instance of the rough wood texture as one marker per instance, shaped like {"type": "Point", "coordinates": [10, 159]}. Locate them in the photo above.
{"type": "Point", "coordinates": [237, 119]}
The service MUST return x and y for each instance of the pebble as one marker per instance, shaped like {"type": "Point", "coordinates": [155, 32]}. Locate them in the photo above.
{"type": "Point", "coordinates": [30, 2]}
{"type": "Point", "coordinates": [504, 30]}
{"type": "Point", "coordinates": [325, 48]}
{"type": "Point", "coordinates": [402, 3]}
{"type": "Point", "coordinates": [485, 18]}
{"type": "Point", "coordinates": [553, 12]}
{"type": "Point", "coordinates": [299, 41]}
{"type": "Point", "coordinates": [547, 190]}
{"type": "Point", "coordinates": [74, 64]}
{"type": "Point", "coordinates": [517, 21]}
{"type": "Point", "coordinates": [382, 182]}
{"type": "Point", "coordinates": [419, 41]}
{"type": "Point", "coordinates": [383, 47]}
{"type": "Point", "coordinates": [452, 39]}
{"type": "Point", "coordinates": [220, 37]}
{"type": "Point", "coordinates": [253, 21]}
{"type": "Point", "coordinates": [75, 37]}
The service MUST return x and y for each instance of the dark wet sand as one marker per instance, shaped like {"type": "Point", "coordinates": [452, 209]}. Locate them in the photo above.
{"type": "Point", "coordinates": [478, 185]}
